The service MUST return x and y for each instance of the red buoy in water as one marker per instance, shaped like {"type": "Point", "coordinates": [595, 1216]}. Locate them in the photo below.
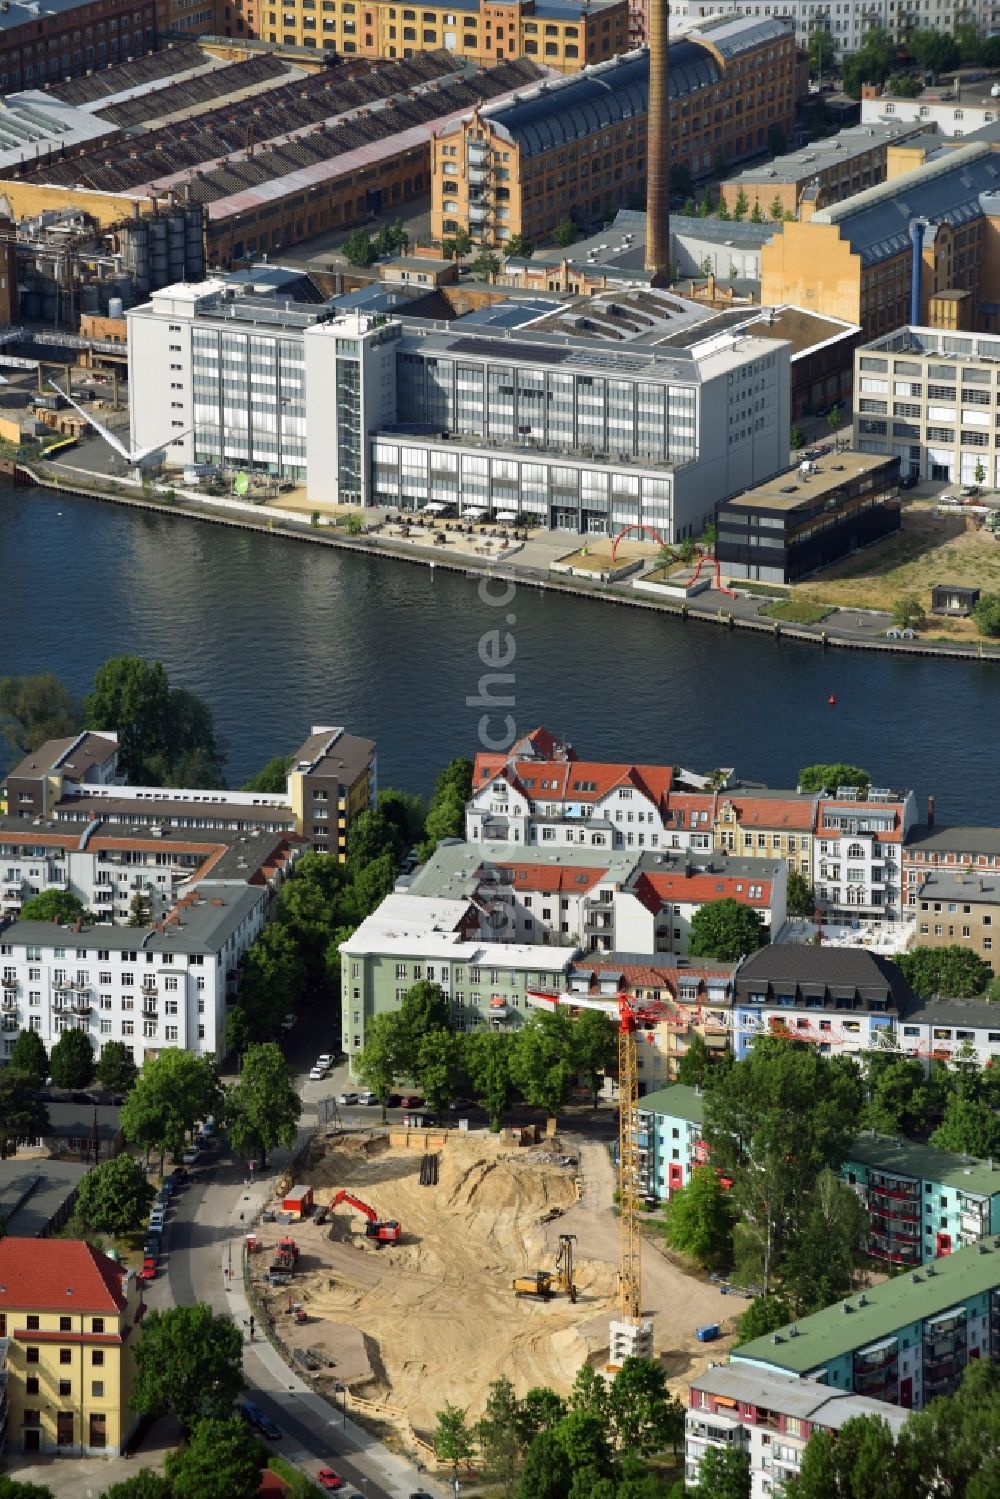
{"type": "Point", "coordinates": [831, 701]}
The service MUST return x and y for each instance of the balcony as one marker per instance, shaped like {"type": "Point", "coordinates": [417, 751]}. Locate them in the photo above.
{"type": "Point", "coordinates": [81, 1005]}
{"type": "Point", "coordinates": [149, 1009]}
{"type": "Point", "coordinates": [62, 986]}
{"type": "Point", "coordinates": [149, 987]}
{"type": "Point", "coordinates": [9, 1004]}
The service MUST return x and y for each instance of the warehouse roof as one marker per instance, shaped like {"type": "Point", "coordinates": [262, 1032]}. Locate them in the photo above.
{"type": "Point", "coordinates": [836, 150]}
{"type": "Point", "coordinates": [880, 1313]}
{"type": "Point", "coordinates": [876, 223]}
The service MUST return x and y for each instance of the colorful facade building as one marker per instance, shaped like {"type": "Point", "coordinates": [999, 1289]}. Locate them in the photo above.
{"type": "Point", "coordinates": [578, 149]}
{"type": "Point", "coordinates": [670, 1140]}
{"type": "Point", "coordinates": [70, 1317]}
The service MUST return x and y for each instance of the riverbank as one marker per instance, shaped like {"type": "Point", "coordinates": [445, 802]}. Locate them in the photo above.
{"type": "Point", "coordinates": [845, 629]}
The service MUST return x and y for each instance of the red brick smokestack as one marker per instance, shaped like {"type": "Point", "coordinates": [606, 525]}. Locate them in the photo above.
{"type": "Point", "coordinates": [658, 146]}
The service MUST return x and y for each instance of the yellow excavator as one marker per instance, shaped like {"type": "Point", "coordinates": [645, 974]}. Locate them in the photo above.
{"type": "Point", "coordinates": [547, 1283]}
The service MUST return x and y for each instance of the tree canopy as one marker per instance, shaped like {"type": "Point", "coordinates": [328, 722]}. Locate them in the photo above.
{"type": "Point", "coordinates": [166, 736]}
{"type": "Point", "coordinates": [116, 1069]}
{"type": "Point", "coordinates": [272, 778]}
{"type": "Point", "coordinates": [172, 1092]}
{"type": "Point", "coordinates": [54, 905]}
{"type": "Point", "coordinates": [953, 972]}
{"type": "Point", "coordinates": [29, 1057]}
{"type": "Point", "coordinates": [828, 777]}
{"type": "Point", "coordinates": [726, 930]}
{"type": "Point", "coordinates": [222, 1460]}
{"type": "Point", "coordinates": [263, 1108]}
{"type": "Point", "coordinates": [115, 1196]}
{"type": "Point", "coordinates": [697, 1220]}
{"type": "Point", "coordinates": [189, 1364]}
{"type": "Point", "coordinates": [71, 1061]}
{"type": "Point", "coordinates": [23, 1117]}
{"type": "Point", "coordinates": [35, 708]}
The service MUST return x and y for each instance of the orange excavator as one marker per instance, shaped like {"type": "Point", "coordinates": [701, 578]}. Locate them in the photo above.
{"type": "Point", "coordinates": [382, 1233]}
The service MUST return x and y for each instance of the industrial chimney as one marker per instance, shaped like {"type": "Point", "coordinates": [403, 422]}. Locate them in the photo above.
{"type": "Point", "coordinates": [658, 146]}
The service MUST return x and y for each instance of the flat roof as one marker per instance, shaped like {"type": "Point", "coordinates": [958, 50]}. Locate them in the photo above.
{"type": "Point", "coordinates": [835, 150]}
{"type": "Point", "coordinates": [805, 1398]}
{"type": "Point", "coordinates": [957, 838]}
{"type": "Point", "coordinates": [675, 1102]}
{"type": "Point", "coordinates": [979, 889]}
{"type": "Point", "coordinates": [888, 1307]}
{"type": "Point", "coordinates": [925, 1163]}
{"type": "Point", "coordinates": [33, 1190]}
{"type": "Point", "coordinates": [979, 1014]}
{"type": "Point", "coordinates": [204, 925]}
{"type": "Point", "coordinates": [794, 489]}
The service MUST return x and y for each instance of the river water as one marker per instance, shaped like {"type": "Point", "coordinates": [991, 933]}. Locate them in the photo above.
{"type": "Point", "coordinates": [278, 635]}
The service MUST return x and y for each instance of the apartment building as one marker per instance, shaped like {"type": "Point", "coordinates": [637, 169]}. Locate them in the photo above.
{"type": "Point", "coordinates": [921, 1202]}
{"type": "Point", "coordinates": [767, 824]}
{"type": "Point", "coordinates": [566, 35]}
{"type": "Point", "coordinates": [409, 939]}
{"type": "Point", "coordinates": [69, 1320]}
{"type": "Point", "coordinates": [333, 777]}
{"type": "Point", "coordinates": [578, 148]}
{"type": "Point", "coordinates": [58, 768]}
{"type": "Point", "coordinates": [770, 1417]}
{"type": "Point", "coordinates": [940, 1030]}
{"type": "Point", "coordinates": [670, 1140]}
{"type": "Point", "coordinates": [809, 517]}
{"type": "Point", "coordinates": [931, 396]}
{"type": "Point", "coordinates": [849, 25]}
{"type": "Point", "coordinates": [929, 847]}
{"type": "Point", "coordinates": [654, 910]}
{"type": "Point", "coordinates": [960, 910]}
{"type": "Point", "coordinates": [954, 111]}
{"type": "Point", "coordinates": [855, 259]}
{"type": "Point", "coordinates": [568, 433]}
{"type": "Point", "coordinates": [60, 38]}
{"type": "Point", "coordinates": [693, 996]}
{"type": "Point", "coordinates": [903, 1341]}
{"type": "Point", "coordinates": [857, 853]}
{"type": "Point", "coordinates": [845, 1001]}
{"type": "Point", "coordinates": [838, 166]}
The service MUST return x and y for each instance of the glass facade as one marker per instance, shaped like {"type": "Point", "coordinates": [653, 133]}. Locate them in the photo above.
{"type": "Point", "coordinates": [249, 402]}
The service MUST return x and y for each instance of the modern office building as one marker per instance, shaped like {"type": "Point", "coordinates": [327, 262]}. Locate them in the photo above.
{"type": "Point", "coordinates": [564, 34]}
{"type": "Point", "coordinates": [806, 518]}
{"type": "Point", "coordinates": [903, 1341]}
{"type": "Point", "coordinates": [930, 396]}
{"type": "Point", "coordinates": [670, 1140]}
{"type": "Point", "coordinates": [845, 1001]}
{"type": "Point", "coordinates": [921, 1202]}
{"type": "Point", "coordinates": [770, 1417]}
{"type": "Point", "coordinates": [569, 431]}
{"type": "Point", "coordinates": [838, 165]}
{"type": "Point", "coordinates": [69, 1321]}
{"type": "Point", "coordinates": [577, 149]}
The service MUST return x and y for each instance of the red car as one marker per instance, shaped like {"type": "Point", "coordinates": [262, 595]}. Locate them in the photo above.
{"type": "Point", "coordinates": [149, 1269]}
{"type": "Point", "coordinates": [411, 1101]}
{"type": "Point", "coordinates": [328, 1479]}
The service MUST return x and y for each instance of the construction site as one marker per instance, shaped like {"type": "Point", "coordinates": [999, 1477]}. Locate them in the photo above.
{"type": "Point", "coordinates": [453, 1257]}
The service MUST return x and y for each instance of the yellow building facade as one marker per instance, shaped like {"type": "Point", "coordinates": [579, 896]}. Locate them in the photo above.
{"type": "Point", "coordinates": [768, 828]}
{"type": "Point", "coordinates": [562, 34]}
{"type": "Point", "coordinates": [70, 1316]}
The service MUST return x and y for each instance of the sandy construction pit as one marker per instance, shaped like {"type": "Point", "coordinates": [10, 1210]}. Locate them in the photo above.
{"type": "Point", "coordinates": [434, 1318]}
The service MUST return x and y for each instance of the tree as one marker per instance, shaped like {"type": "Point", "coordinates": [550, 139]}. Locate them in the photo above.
{"type": "Point", "coordinates": [446, 809]}
{"type": "Point", "coordinates": [969, 1127]}
{"type": "Point", "coordinates": [797, 437]}
{"type": "Point", "coordinates": [54, 905]}
{"type": "Point", "coordinates": [756, 213]}
{"type": "Point", "coordinates": [800, 897]}
{"type": "Point", "coordinates": [645, 1418]}
{"type": "Point", "coordinates": [933, 50]}
{"type": "Point", "coordinates": [764, 1315]}
{"type": "Point", "coordinates": [741, 207]}
{"type": "Point", "coordinates": [986, 613]}
{"type": "Point", "coordinates": [222, 1460]}
{"type": "Point", "coordinates": [115, 1196]}
{"type": "Point", "coordinates": [405, 811]}
{"type": "Point", "coordinates": [452, 1440]}
{"type": "Point", "coordinates": [29, 1058]}
{"type": "Point", "coordinates": [139, 913]}
{"type": "Point", "coordinates": [565, 232]}
{"type": "Point", "coordinates": [130, 696]}
{"type": "Point", "coordinates": [171, 1093]}
{"type": "Point", "coordinates": [822, 49]}
{"type": "Point", "coordinates": [726, 930]}
{"type": "Point", "coordinates": [272, 778]}
{"type": "Point", "coordinates": [72, 1060]}
{"type": "Point", "coordinates": [681, 181]}
{"type": "Point", "coordinates": [541, 1061]}
{"type": "Point", "coordinates": [834, 418]}
{"type": "Point", "coordinates": [486, 265]}
{"type": "Point", "coordinates": [864, 1459]}
{"type": "Point", "coordinates": [146, 1484]}
{"type": "Point", "coordinates": [116, 1069]}
{"type": "Point", "coordinates": [274, 976]}
{"type": "Point", "coordinates": [829, 777]}
{"type": "Point", "coordinates": [773, 1122]}
{"type": "Point", "coordinates": [488, 1059]}
{"type": "Point", "coordinates": [979, 473]}
{"type": "Point", "coordinates": [497, 1435]}
{"type": "Point", "coordinates": [908, 612]}
{"type": "Point", "coordinates": [821, 1264]}
{"type": "Point", "coordinates": [520, 246]}
{"type": "Point", "coordinates": [583, 1435]}
{"type": "Point", "coordinates": [371, 835]}
{"type": "Point", "coordinates": [546, 1473]}
{"type": "Point", "coordinates": [358, 249]}
{"type": "Point", "coordinates": [594, 1047]}
{"type": "Point", "coordinates": [900, 1096]}
{"type": "Point", "coordinates": [263, 1108]}
{"type": "Point", "coordinates": [906, 86]}
{"type": "Point", "coordinates": [953, 971]}
{"type": "Point", "coordinates": [697, 1220]}
{"type": "Point", "coordinates": [723, 1473]}
{"type": "Point", "coordinates": [871, 64]}
{"type": "Point", "coordinates": [695, 1065]}
{"type": "Point", "coordinates": [381, 1061]}
{"type": "Point", "coordinates": [23, 1117]}
{"type": "Point", "coordinates": [705, 204]}
{"type": "Point", "coordinates": [777, 209]}
{"type": "Point", "coordinates": [36, 708]}
{"type": "Point", "coordinates": [16, 1488]}
{"type": "Point", "coordinates": [188, 1364]}
{"type": "Point", "coordinates": [440, 1068]}
{"type": "Point", "coordinates": [458, 245]}
{"type": "Point", "coordinates": [540, 1410]}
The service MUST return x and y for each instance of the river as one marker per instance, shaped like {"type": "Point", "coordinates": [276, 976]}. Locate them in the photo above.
{"type": "Point", "coordinates": [278, 635]}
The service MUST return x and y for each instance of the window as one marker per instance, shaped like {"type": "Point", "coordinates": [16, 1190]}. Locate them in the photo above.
{"type": "Point", "coordinates": [97, 1356]}
{"type": "Point", "coordinates": [65, 1387]}
{"type": "Point", "coordinates": [97, 1387]}
{"type": "Point", "coordinates": [31, 1355]}
{"type": "Point", "coordinates": [97, 1325]}
{"type": "Point", "coordinates": [65, 1355]}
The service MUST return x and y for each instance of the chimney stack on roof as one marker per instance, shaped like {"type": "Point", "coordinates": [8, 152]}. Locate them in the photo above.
{"type": "Point", "coordinates": [658, 146]}
{"type": "Point", "coordinates": [930, 811]}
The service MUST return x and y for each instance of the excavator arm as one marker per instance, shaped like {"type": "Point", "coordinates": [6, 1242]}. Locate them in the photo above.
{"type": "Point", "coordinates": [355, 1202]}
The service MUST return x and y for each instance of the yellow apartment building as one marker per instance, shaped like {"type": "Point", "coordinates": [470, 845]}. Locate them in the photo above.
{"type": "Point", "coordinates": [768, 825]}
{"type": "Point", "coordinates": [563, 34]}
{"type": "Point", "coordinates": [70, 1316]}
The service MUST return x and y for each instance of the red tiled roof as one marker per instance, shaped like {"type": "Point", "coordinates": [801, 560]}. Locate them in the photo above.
{"type": "Point", "coordinates": [37, 1274]}
{"type": "Point", "coordinates": [544, 878]}
{"type": "Point", "coordinates": [565, 779]}
{"type": "Point", "coordinates": [682, 804]}
{"type": "Point", "coordinates": [653, 890]}
{"type": "Point", "coordinates": [770, 812]}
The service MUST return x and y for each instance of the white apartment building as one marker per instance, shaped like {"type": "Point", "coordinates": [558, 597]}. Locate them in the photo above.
{"type": "Point", "coordinates": [953, 113]}
{"type": "Point", "coordinates": [857, 853]}
{"type": "Point", "coordinates": [931, 395]}
{"type": "Point", "coordinates": [570, 429]}
{"type": "Point", "coordinates": [151, 987]}
{"type": "Point", "coordinates": [769, 1416]}
{"type": "Point", "coordinates": [939, 1029]}
{"type": "Point", "coordinates": [848, 21]}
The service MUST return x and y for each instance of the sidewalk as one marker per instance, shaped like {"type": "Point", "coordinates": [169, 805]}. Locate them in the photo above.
{"type": "Point", "coordinates": [264, 1365]}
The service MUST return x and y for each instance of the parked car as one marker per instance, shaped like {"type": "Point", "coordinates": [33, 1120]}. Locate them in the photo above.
{"type": "Point", "coordinates": [948, 499]}
{"type": "Point", "coordinates": [324, 1059]}
{"type": "Point", "coordinates": [149, 1268]}
{"type": "Point", "coordinates": [328, 1479]}
{"type": "Point", "coordinates": [411, 1101]}
{"type": "Point", "coordinates": [897, 634]}
{"type": "Point", "coordinates": [457, 1105]}
{"type": "Point", "coordinates": [367, 1097]}
{"type": "Point", "coordinates": [347, 1098]}
{"type": "Point", "coordinates": [191, 1156]}
{"type": "Point", "coordinates": [909, 481]}
{"type": "Point", "coordinates": [289, 1022]}
{"type": "Point", "coordinates": [156, 1218]}
{"type": "Point", "coordinates": [318, 1072]}
{"type": "Point", "coordinates": [151, 1245]}
{"type": "Point", "coordinates": [178, 1176]}
{"type": "Point", "coordinates": [254, 1416]}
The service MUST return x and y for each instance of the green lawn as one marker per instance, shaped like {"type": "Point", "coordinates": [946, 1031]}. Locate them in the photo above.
{"type": "Point", "coordinates": [797, 611]}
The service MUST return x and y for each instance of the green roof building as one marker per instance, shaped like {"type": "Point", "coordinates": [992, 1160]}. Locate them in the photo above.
{"type": "Point", "coordinates": [903, 1341]}
{"type": "Point", "coordinates": [670, 1142]}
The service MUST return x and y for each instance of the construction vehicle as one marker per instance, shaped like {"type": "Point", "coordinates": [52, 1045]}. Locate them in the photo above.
{"type": "Point", "coordinates": [545, 1283]}
{"type": "Point", "coordinates": [286, 1255]}
{"type": "Point", "coordinates": [382, 1232]}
